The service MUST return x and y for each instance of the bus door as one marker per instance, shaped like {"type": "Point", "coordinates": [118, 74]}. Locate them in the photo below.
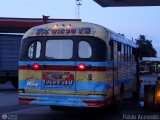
{"type": "Point", "coordinates": [59, 68]}
{"type": "Point", "coordinates": [84, 72]}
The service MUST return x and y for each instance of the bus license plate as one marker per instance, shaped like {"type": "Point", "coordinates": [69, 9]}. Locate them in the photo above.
{"type": "Point", "coordinates": [58, 78]}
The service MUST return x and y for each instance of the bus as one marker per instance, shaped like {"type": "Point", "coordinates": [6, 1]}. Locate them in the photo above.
{"type": "Point", "coordinates": [77, 65]}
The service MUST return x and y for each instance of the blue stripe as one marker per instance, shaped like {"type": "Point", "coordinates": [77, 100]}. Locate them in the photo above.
{"type": "Point", "coordinates": [79, 85]}
{"type": "Point", "coordinates": [47, 62]}
{"type": "Point", "coordinates": [96, 63]}
{"type": "Point", "coordinates": [61, 96]}
{"type": "Point", "coordinates": [66, 63]}
{"type": "Point", "coordinates": [61, 100]}
{"type": "Point", "coordinates": [90, 85]}
{"type": "Point", "coordinates": [22, 84]}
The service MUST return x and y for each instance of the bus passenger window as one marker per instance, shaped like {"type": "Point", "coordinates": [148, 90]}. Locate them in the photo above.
{"type": "Point", "coordinates": [111, 56]}
{"type": "Point", "coordinates": [122, 52]}
{"type": "Point", "coordinates": [126, 53]}
{"type": "Point", "coordinates": [119, 51]}
{"type": "Point", "coordinates": [134, 54]}
{"type": "Point", "coordinates": [129, 54]}
{"type": "Point", "coordinates": [59, 49]}
{"type": "Point", "coordinates": [34, 50]}
{"type": "Point", "coordinates": [119, 47]}
{"type": "Point", "coordinates": [84, 50]}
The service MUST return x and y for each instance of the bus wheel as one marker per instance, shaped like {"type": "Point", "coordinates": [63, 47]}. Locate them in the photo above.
{"type": "Point", "coordinates": [14, 82]}
{"type": "Point", "coordinates": [52, 107]}
{"type": "Point", "coordinates": [117, 106]}
{"type": "Point", "coordinates": [135, 96]}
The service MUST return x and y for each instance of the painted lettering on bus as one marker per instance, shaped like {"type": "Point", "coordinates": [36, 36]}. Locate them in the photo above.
{"type": "Point", "coordinates": [44, 31]}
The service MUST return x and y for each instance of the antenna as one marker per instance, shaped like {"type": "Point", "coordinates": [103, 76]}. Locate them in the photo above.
{"type": "Point", "coordinates": [78, 4]}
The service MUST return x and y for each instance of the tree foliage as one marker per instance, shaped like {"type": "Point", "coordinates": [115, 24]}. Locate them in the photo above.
{"type": "Point", "coordinates": [145, 47]}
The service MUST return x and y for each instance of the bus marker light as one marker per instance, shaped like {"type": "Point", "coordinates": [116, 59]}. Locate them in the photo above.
{"type": "Point", "coordinates": [62, 26]}
{"type": "Point", "coordinates": [35, 66]}
{"type": "Point", "coordinates": [55, 26]}
{"type": "Point", "coordinates": [69, 26]}
{"type": "Point", "coordinates": [81, 66]}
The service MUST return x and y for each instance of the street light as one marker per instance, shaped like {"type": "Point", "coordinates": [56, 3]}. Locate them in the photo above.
{"type": "Point", "coordinates": [78, 4]}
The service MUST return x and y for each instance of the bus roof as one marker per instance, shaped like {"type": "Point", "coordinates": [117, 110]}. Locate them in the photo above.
{"type": "Point", "coordinates": [76, 28]}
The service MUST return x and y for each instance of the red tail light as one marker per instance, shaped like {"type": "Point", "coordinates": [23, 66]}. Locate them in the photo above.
{"type": "Point", "coordinates": [81, 66]}
{"type": "Point", "coordinates": [35, 66]}
{"type": "Point", "coordinates": [95, 103]}
{"type": "Point", "coordinates": [25, 100]}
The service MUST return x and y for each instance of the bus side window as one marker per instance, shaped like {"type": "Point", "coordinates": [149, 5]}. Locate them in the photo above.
{"type": "Point", "coordinates": [119, 51]}
{"type": "Point", "coordinates": [34, 50]}
{"type": "Point", "coordinates": [111, 56]}
{"type": "Point", "coordinates": [115, 50]}
{"type": "Point", "coordinates": [132, 60]}
{"type": "Point", "coordinates": [134, 54]}
{"type": "Point", "coordinates": [122, 52]}
{"type": "Point", "coordinates": [125, 53]}
{"type": "Point", "coordinates": [119, 47]}
{"type": "Point", "coordinates": [130, 54]}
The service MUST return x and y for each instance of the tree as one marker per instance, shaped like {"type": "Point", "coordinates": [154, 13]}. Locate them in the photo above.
{"type": "Point", "coordinates": [145, 48]}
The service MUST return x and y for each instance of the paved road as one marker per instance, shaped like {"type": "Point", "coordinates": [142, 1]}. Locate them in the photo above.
{"type": "Point", "coordinates": [9, 107]}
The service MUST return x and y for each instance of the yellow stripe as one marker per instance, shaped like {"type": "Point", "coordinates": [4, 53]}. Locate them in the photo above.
{"type": "Point", "coordinates": [80, 75]}
{"type": "Point", "coordinates": [30, 74]}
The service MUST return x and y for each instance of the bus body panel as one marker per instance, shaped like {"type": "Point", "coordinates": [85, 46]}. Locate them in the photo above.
{"type": "Point", "coordinates": [91, 81]}
{"type": "Point", "coordinates": [32, 82]}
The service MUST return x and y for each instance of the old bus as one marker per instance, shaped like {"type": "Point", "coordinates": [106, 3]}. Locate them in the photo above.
{"type": "Point", "coordinates": [75, 64]}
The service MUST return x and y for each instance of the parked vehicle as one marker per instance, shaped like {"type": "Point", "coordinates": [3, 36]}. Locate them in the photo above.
{"type": "Point", "coordinates": [9, 57]}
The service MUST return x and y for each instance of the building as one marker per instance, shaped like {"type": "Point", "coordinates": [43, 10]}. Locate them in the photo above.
{"type": "Point", "coordinates": [21, 25]}
{"type": "Point", "coordinates": [149, 65]}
